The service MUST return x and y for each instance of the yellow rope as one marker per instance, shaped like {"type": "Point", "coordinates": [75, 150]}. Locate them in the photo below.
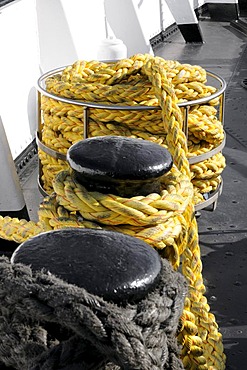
{"type": "Point", "coordinates": [125, 83]}
{"type": "Point", "coordinates": [166, 220]}
{"type": "Point", "coordinates": [18, 230]}
{"type": "Point", "coordinates": [204, 125]}
{"type": "Point", "coordinates": [156, 218]}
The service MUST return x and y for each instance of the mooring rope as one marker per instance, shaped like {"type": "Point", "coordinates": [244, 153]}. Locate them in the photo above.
{"type": "Point", "coordinates": [50, 324]}
{"type": "Point", "coordinates": [166, 221]}
{"type": "Point", "coordinates": [126, 83]}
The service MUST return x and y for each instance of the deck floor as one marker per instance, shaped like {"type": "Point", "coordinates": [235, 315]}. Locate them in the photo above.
{"type": "Point", "coordinates": [223, 233]}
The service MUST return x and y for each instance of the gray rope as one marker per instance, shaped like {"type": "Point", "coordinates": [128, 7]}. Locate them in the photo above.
{"type": "Point", "coordinates": [47, 323]}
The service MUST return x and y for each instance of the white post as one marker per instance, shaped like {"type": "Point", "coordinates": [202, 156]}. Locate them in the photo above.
{"type": "Point", "coordinates": [12, 201]}
{"type": "Point", "coordinates": [56, 44]}
{"type": "Point", "coordinates": [186, 20]}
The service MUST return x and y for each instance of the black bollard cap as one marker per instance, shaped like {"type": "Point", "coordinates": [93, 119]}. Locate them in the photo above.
{"type": "Point", "coordinates": [119, 157]}
{"type": "Point", "coordinates": [101, 163]}
{"type": "Point", "coordinates": [112, 265]}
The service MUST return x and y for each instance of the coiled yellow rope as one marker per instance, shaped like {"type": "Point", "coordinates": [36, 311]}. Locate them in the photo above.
{"type": "Point", "coordinates": [124, 83]}
{"type": "Point", "coordinates": [166, 221]}
{"type": "Point", "coordinates": [157, 218]}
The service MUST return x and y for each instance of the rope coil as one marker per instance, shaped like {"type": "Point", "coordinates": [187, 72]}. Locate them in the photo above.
{"type": "Point", "coordinates": [126, 83]}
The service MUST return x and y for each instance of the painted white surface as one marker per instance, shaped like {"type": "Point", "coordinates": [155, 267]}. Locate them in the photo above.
{"type": "Point", "coordinates": [73, 29]}
{"type": "Point", "coordinates": [222, 1]}
{"type": "Point", "coordinates": [167, 18]}
{"type": "Point", "coordinates": [19, 70]}
{"type": "Point", "coordinates": [149, 16]}
{"type": "Point", "coordinates": [56, 44]}
{"type": "Point", "coordinates": [11, 196]}
{"type": "Point", "coordinates": [86, 22]}
{"type": "Point", "coordinates": [124, 18]}
{"type": "Point", "coordinates": [183, 12]}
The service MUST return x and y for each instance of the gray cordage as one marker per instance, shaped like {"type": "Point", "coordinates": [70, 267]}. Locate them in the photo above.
{"type": "Point", "coordinates": [47, 323]}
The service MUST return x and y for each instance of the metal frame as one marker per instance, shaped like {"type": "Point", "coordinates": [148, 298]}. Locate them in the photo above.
{"type": "Point", "coordinates": [213, 199]}
{"type": "Point", "coordinates": [219, 93]}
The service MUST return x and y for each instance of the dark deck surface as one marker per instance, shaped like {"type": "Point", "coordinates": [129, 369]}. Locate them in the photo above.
{"type": "Point", "coordinates": [223, 232]}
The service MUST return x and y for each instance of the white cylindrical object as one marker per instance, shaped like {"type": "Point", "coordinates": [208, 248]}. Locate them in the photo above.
{"type": "Point", "coordinates": [111, 49]}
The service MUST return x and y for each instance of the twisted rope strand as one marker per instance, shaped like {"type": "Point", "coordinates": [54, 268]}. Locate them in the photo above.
{"type": "Point", "coordinates": [133, 336]}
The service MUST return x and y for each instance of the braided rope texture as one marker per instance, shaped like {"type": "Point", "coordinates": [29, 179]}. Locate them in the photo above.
{"type": "Point", "coordinates": [166, 221]}
{"type": "Point", "coordinates": [127, 83]}
{"type": "Point", "coordinates": [47, 323]}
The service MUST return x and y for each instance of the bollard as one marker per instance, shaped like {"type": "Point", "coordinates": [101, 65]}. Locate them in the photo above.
{"type": "Point", "coordinates": [89, 299]}
{"type": "Point", "coordinates": [119, 165]}
{"type": "Point", "coordinates": [12, 201]}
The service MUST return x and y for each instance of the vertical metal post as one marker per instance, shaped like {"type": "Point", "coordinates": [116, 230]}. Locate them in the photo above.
{"type": "Point", "coordinates": [85, 123]}
{"type": "Point", "coordinates": [39, 113]}
{"type": "Point", "coordinates": [39, 133]}
{"type": "Point", "coordinates": [222, 108]}
{"type": "Point", "coordinates": [185, 123]}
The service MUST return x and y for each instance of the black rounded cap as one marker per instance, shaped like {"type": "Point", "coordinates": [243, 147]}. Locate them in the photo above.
{"type": "Point", "coordinates": [118, 157]}
{"type": "Point", "coordinates": [114, 266]}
